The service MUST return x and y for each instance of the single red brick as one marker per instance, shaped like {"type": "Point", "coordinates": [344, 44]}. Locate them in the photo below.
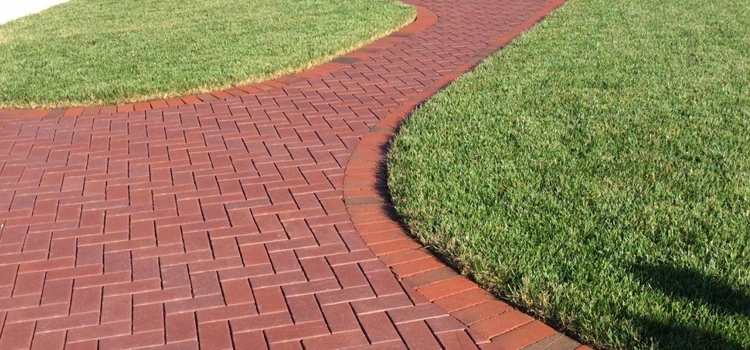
{"type": "Point", "coordinates": [225, 313]}
{"type": "Point", "coordinates": [523, 336]}
{"type": "Point", "coordinates": [269, 300]}
{"type": "Point", "coordinates": [383, 237]}
{"type": "Point", "coordinates": [174, 102]}
{"type": "Point", "coordinates": [84, 345]}
{"type": "Point", "coordinates": [340, 318]}
{"type": "Point", "coordinates": [378, 327]}
{"type": "Point", "coordinates": [481, 311]}
{"type": "Point", "coordinates": [8, 275]}
{"type": "Point", "coordinates": [350, 275]}
{"type": "Point", "coordinates": [148, 318]}
{"type": "Point", "coordinates": [99, 331]}
{"type": "Point", "coordinates": [418, 336]}
{"type": "Point", "coordinates": [336, 341]}
{"type": "Point", "coordinates": [249, 340]}
{"type": "Point", "coordinates": [404, 257]}
{"type": "Point", "coordinates": [205, 283]}
{"type": "Point", "coordinates": [237, 292]}
{"type": "Point", "coordinates": [445, 324]}
{"type": "Point", "coordinates": [67, 322]}
{"type": "Point", "coordinates": [159, 104]}
{"type": "Point", "coordinates": [133, 287]}
{"type": "Point", "coordinates": [57, 292]}
{"type": "Point", "coordinates": [90, 255]}
{"type": "Point", "coordinates": [132, 341]}
{"type": "Point", "coordinates": [192, 99]}
{"type": "Point", "coordinates": [47, 341]}
{"type": "Point", "coordinates": [29, 284]}
{"type": "Point", "coordinates": [418, 312]}
{"type": "Point", "coordinates": [554, 342]}
{"type": "Point", "coordinates": [86, 300]}
{"type": "Point", "coordinates": [394, 247]}
{"type": "Point", "coordinates": [254, 254]}
{"type": "Point", "coordinates": [326, 235]}
{"type": "Point", "coordinates": [384, 283]}
{"type": "Point", "coordinates": [162, 296]}
{"type": "Point", "coordinates": [72, 112]}
{"type": "Point", "coordinates": [304, 308]}
{"type": "Point", "coordinates": [316, 268]}
{"type": "Point", "coordinates": [117, 262]}
{"type": "Point", "coordinates": [116, 308]}
{"type": "Point", "coordinates": [447, 288]}
{"type": "Point", "coordinates": [284, 261]}
{"type": "Point", "coordinates": [215, 336]}
{"type": "Point", "coordinates": [417, 267]}
{"type": "Point", "coordinates": [35, 313]}
{"type": "Point", "coordinates": [268, 223]}
{"type": "Point", "coordinates": [464, 299]}
{"type": "Point", "coordinates": [241, 218]}
{"type": "Point", "coordinates": [141, 106]}
{"type": "Point", "coordinates": [456, 340]}
{"type": "Point", "coordinates": [296, 332]}
{"type": "Point", "coordinates": [293, 345]}
{"type": "Point", "coordinates": [37, 241]}
{"type": "Point", "coordinates": [175, 276]}
{"type": "Point", "coordinates": [169, 235]}
{"type": "Point", "coordinates": [260, 322]}
{"type": "Point", "coordinates": [502, 323]}
{"type": "Point", "coordinates": [180, 327]}
{"type": "Point", "coordinates": [74, 272]}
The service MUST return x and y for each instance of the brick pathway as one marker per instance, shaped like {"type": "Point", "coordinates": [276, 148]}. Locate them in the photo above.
{"type": "Point", "coordinates": [219, 221]}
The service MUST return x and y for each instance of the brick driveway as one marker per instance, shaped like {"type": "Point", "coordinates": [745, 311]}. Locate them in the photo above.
{"type": "Point", "coordinates": [218, 221]}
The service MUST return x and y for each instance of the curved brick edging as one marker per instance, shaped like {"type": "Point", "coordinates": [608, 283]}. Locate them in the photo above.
{"type": "Point", "coordinates": [424, 19]}
{"type": "Point", "coordinates": [368, 203]}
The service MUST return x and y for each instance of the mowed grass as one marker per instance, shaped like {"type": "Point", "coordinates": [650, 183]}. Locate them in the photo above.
{"type": "Point", "coordinates": [89, 52]}
{"type": "Point", "coordinates": [596, 172]}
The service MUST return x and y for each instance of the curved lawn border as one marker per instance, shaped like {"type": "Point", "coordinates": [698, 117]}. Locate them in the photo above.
{"type": "Point", "coordinates": [420, 23]}
{"type": "Point", "coordinates": [368, 203]}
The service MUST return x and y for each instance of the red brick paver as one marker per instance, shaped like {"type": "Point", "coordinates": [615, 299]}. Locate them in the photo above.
{"type": "Point", "coordinates": [219, 221]}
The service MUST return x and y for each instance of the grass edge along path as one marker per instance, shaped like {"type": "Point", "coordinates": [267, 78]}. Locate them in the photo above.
{"type": "Point", "coordinates": [93, 52]}
{"type": "Point", "coordinates": [594, 172]}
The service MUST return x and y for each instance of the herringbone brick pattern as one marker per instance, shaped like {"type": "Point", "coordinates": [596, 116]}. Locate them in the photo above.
{"type": "Point", "coordinates": [218, 221]}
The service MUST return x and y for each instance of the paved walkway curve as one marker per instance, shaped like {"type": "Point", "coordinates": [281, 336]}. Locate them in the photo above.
{"type": "Point", "coordinates": [219, 221]}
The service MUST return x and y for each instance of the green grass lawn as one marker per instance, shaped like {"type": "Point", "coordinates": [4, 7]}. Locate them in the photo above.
{"type": "Point", "coordinates": [88, 52]}
{"type": "Point", "coordinates": [596, 172]}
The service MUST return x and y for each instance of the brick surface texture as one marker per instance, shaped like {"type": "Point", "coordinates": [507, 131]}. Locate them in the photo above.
{"type": "Point", "coordinates": [218, 221]}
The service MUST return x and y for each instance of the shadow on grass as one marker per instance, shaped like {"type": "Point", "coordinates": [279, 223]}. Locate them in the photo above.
{"type": "Point", "coordinates": [698, 288]}
{"type": "Point", "coordinates": [670, 336]}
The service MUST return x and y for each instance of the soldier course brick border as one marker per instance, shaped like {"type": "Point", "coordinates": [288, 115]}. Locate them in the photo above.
{"type": "Point", "coordinates": [223, 276]}
{"type": "Point", "coordinates": [368, 202]}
